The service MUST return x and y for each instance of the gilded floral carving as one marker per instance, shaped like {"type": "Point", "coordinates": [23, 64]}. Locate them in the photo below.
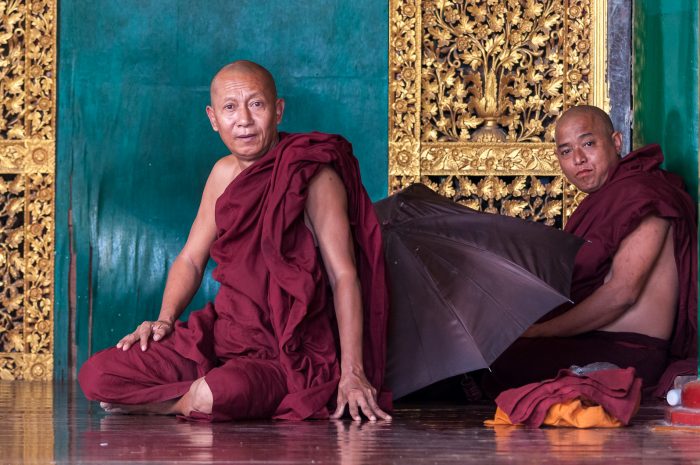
{"type": "Point", "coordinates": [27, 192]}
{"type": "Point", "coordinates": [527, 197]}
{"type": "Point", "coordinates": [404, 86]}
{"type": "Point", "coordinates": [12, 262]}
{"type": "Point", "coordinates": [493, 71]}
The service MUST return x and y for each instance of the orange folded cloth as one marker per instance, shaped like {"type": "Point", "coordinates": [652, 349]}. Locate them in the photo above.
{"type": "Point", "coordinates": [617, 391]}
{"type": "Point", "coordinates": [572, 413]}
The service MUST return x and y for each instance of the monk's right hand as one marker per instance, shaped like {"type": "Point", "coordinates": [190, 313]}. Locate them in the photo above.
{"type": "Point", "coordinates": [145, 331]}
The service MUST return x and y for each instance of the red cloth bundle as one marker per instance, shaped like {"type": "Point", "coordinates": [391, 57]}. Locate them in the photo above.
{"type": "Point", "coordinates": [618, 391]}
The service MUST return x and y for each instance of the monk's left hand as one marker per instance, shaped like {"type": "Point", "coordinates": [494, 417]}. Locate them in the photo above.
{"type": "Point", "coordinates": [359, 395]}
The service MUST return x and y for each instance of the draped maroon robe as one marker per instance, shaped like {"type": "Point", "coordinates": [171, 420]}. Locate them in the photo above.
{"type": "Point", "coordinates": [635, 189]}
{"type": "Point", "coordinates": [268, 345]}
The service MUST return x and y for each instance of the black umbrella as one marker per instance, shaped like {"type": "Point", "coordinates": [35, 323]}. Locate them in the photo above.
{"type": "Point", "coordinates": [463, 284]}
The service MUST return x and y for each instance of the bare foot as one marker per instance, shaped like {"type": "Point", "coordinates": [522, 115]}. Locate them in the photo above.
{"type": "Point", "coordinates": [157, 408]}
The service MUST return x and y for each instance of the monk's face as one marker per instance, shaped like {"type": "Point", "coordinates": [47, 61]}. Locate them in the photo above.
{"type": "Point", "coordinates": [587, 150]}
{"type": "Point", "coordinates": [245, 113]}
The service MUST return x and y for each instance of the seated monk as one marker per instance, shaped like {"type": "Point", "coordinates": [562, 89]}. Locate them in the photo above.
{"type": "Point", "coordinates": [297, 328]}
{"type": "Point", "coordinates": [635, 279]}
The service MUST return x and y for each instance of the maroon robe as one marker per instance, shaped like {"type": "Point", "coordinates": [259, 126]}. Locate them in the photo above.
{"type": "Point", "coordinates": [635, 189]}
{"type": "Point", "coordinates": [268, 345]}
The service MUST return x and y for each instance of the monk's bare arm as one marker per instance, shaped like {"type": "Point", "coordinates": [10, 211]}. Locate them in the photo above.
{"type": "Point", "coordinates": [326, 208]}
{"type": "Point", "coordinates": [631, 268]}
{"type": "Point", "coordinates": [186, 272]}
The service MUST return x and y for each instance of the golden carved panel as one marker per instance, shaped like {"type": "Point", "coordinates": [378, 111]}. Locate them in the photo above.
{"type": "Point", "coordinates": [475, 87]}
{"type": "Point", "coordinates": [27, 191]}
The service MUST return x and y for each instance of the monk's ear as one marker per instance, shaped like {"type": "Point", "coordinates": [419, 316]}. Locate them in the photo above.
{"type": "Point", "coordinates": [212, 118]}
{"type": "Point", "coordinates": [279, 110]}
{"type": "Point", "coordinates": [617, 140]}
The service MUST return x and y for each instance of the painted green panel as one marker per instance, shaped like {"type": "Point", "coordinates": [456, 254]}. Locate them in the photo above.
{"type": "Point", "coordinates": [135, 146]}
{"type": "Point", "coordinates": [665, 89]}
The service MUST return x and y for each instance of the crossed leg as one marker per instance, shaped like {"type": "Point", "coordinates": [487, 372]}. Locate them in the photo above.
{"type": "Point", "coordinates": [161, 381]}
{"type": "Point", "coordinates": [198, 398]}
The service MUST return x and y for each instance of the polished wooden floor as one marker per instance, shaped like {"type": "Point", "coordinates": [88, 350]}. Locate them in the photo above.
{"type": "Point", "coordinates": [42, 423]}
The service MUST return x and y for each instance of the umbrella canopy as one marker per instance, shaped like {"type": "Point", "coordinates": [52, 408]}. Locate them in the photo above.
{"type": "Point", "coordinates": [463, 284]}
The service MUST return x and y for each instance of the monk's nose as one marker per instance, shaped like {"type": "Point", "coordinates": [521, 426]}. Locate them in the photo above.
{"type": "Point", "coordinates": [244, 117]}
{"type": "Point", "coordinates": [579, 156]}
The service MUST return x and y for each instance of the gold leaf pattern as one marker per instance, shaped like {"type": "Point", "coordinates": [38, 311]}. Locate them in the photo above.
{"type": "Point", "coordinates": [396, 183]}
{"type": "Point", "coordinates": [27, 191]}
{"type": "Point", "coordinates": [527, 197]}
{"type": "Point", "coordinates": [493, 72]}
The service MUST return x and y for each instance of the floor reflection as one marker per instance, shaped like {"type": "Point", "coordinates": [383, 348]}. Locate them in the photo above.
{"type": "Point", "coordinates": [25, 408]}
{"type": "Point", "coordinates": [43, 423]}
{"type": "Point", "coordinates": [151, 438]}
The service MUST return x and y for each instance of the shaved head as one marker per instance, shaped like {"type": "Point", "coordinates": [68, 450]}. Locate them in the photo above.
{"type": "Point", "coordinates": [588, 110]}
{"type": "Point", "coordinates": [245, 68]}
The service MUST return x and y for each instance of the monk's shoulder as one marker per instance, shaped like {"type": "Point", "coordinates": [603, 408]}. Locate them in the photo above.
{"type": "Point", "coordinates": [617, 208]}
{"type": "Point", "coordinates": [651, 190]}
{"type": "Point", "coordinates": [303, 145]}
{"type": "Point", "coordinates": [611, 205]}
{"type": "Point", "coordinates": [638, 188]}
{"type": "Point", "coordinates": [224, 171]}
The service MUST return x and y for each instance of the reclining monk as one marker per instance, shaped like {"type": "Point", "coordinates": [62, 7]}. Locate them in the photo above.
{"type": "Point", "coordinates": [635, 279]}
{"type": "Point", "coordinates": [297, 328]}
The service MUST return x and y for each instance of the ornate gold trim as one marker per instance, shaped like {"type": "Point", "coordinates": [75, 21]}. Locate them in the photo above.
{"type": "Point", "coordinates": [404, 87]}
{"type": "Point", "coordinates": [487, 158]}
{"type": "Point", "coordinates": [28, 156]}
{"type": "Point", "coordinates": [27, 187]}
{"type": "Point", "coordinates": [475, 88]}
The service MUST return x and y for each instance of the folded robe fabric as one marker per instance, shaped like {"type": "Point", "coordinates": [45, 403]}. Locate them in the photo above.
{"type": "Point", "coordinates": [572, 413]}
{"type": "Point", "coordinates": [617, 391]}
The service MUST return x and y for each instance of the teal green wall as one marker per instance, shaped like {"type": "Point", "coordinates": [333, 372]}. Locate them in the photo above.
{"type": "Point", "coordinates": [135, 146]}
{"type": "Point", "coordinates": [666, 79]}
{"type": "Point", "coordinates": [665, 90]}
{"type": "Point", "coordinates": [665, 87]}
